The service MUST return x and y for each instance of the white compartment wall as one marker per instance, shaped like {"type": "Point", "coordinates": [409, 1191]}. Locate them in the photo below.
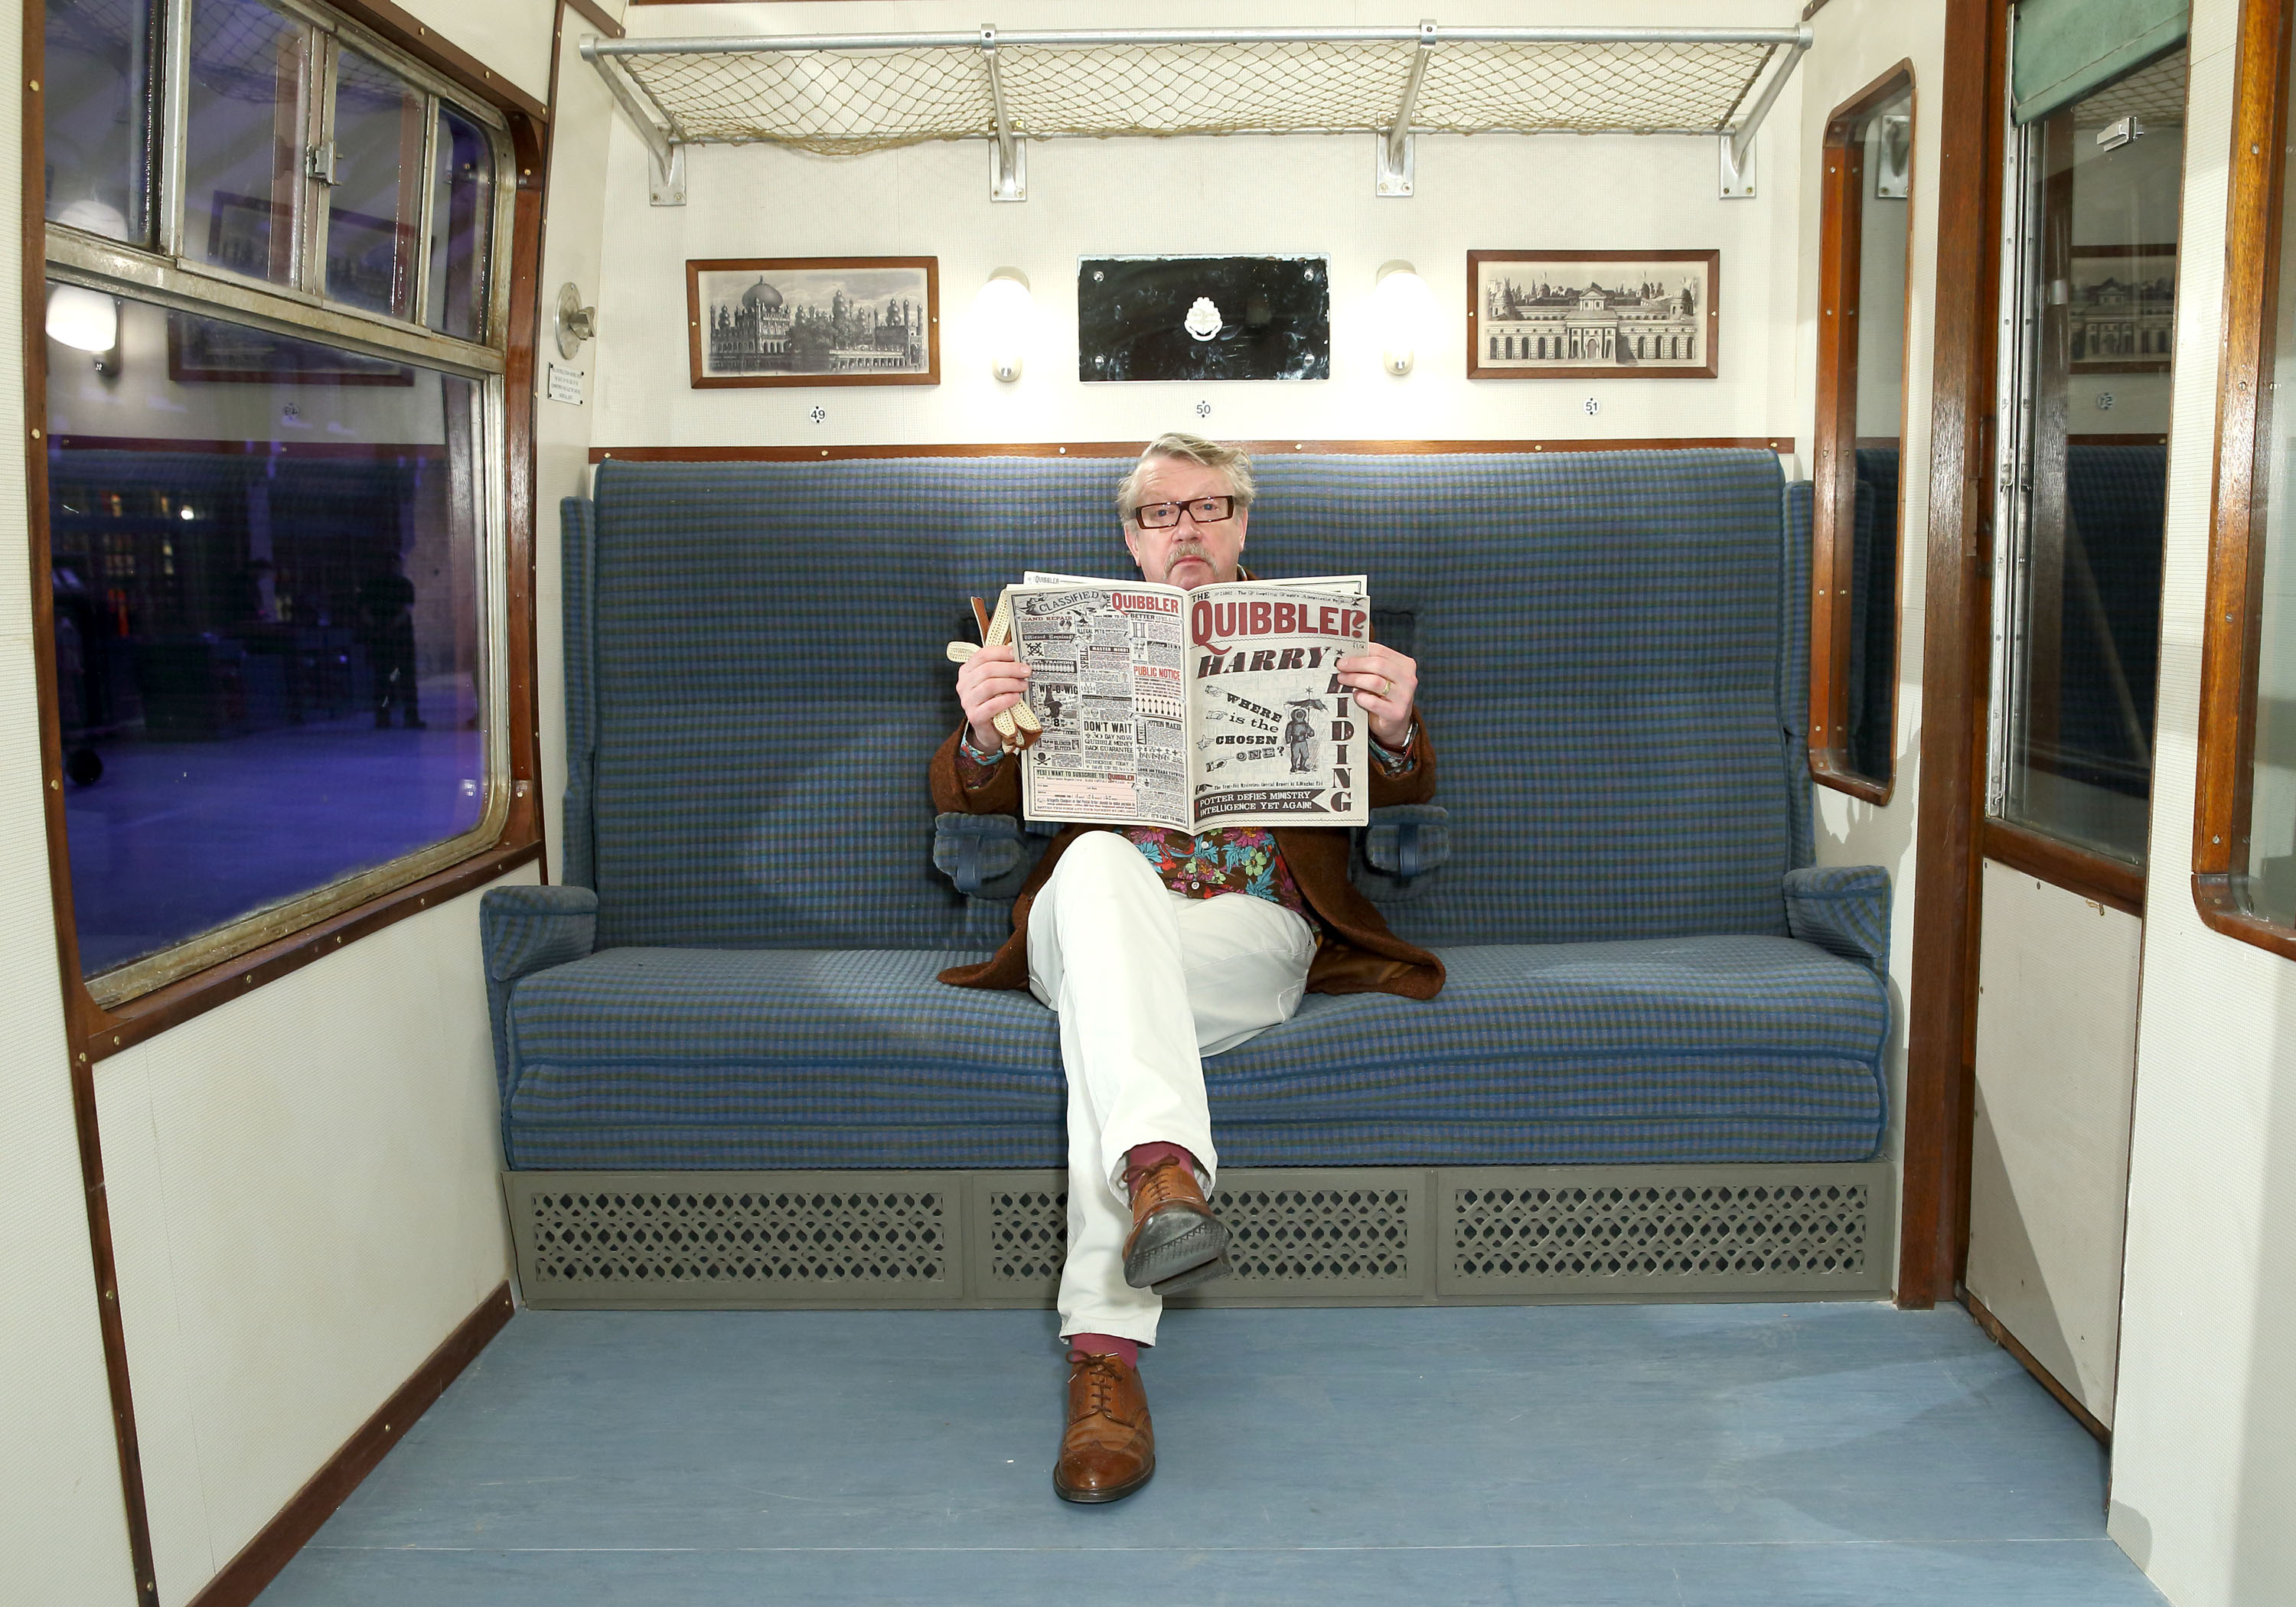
{"type": "Point", "coordinates": [1857, 42]}
{"type": "Point", "coordinates": [572, 246]}
{"type": "Point", "coordinates": [63, 1528]}
{"type": "Point", "coordinates": [1294, 193]}
{"type": "Point", "coordinates": [302, 1183]}
{"type": "Point", "coordinates": [2056, 1063]}
{"type": "Point", "coordinates": [2205, 1440]}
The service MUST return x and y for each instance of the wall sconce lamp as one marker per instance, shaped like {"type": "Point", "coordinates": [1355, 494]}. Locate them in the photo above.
{"type": "Point", "coordinates": [1404, 309]}
{"type": "Point", "coordinates": [1000, 313]}
{"type": "Point", "coordinates": [88, 320]}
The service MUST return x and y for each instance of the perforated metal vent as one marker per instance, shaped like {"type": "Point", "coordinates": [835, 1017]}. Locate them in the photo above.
{"type": "Point", "coordinates": [1299, 1235]}
{"type": "Point", "coordinates": [1027, 1235]}
{"type": "Point", "coordinates": [1302, 1237]}
{"type": "Point", "coordinates": [818, 1238]}
{"type": "Point", "coordinates": [1648, 1234]}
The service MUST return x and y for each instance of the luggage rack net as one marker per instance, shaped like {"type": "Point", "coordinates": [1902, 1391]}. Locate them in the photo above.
{"type": "Point", "coordinates": [844, 94]}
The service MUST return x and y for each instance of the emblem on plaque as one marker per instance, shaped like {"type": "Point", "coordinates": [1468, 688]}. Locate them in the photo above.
{"type": "Point", "coordinates": [1203, 318]}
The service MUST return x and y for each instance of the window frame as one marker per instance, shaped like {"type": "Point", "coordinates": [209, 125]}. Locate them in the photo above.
{"type": "Point", "coordinates": [2232, 637]}
{"type": "Point", "coordinates": [1832, 517]}
{"type": "Point", "coordinates": [118, 1008]}
{"type": "Point", "coordinates": [2078, 867]}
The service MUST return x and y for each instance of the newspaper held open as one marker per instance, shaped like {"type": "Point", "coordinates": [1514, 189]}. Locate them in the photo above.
{"type": "Point", "coordinates": [1219, 706]}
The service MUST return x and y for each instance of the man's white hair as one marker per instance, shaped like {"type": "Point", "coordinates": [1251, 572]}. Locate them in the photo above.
{"type": "Point", "coordinates": [1231, 461]}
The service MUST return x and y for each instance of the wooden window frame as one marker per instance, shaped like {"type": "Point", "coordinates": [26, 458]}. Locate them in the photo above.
{"type": "Point", "coordinates": [2232, 638]}
{"type": "Point", "coordinates": [97, 1030]}
{"type": "Point", "coordinates": [1835, 491]}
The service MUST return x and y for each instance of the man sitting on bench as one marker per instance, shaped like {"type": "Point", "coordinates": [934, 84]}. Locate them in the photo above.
{"type": "Point", "coordinates": [1124, 932]}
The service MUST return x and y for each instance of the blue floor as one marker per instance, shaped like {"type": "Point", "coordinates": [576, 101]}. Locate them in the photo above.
{"type": "Point", "coordinates": [1593, 1456]}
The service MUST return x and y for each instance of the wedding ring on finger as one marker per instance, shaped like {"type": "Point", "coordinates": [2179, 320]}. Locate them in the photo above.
{"type": "Point", "coordinates": [1386, 687]}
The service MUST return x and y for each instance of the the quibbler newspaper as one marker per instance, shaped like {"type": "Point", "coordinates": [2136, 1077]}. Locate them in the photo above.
{"type": "Point", "coordinates": [1219, 706]}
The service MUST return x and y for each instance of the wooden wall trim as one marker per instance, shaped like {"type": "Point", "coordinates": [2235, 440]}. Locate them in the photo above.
{"type": "Point", "coordinates": [1783, 445]}
{"type": "Point", "coordinates": [260, 1560]}
{"type": "Point", "coordinates": [112, 1332]}
{"type": "Point", "coordinates": [409, 33]}
{"type": "Point", "coordinates": [2008, 1341]}
{"type": "Point", "coordinates": [2233, 630]}
{"type": "Point", "coordinates": [595, 14]}
{"type": "Point", "coordinates": [1833, 450]}
{"type": "Point", "coordinates": [1940, 1000]}
{"type": "Point", "coordinates": [2114, 883]}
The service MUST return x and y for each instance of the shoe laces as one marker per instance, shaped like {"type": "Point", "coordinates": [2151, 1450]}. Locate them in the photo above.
{"type": "Point", "coordinates": [1159, 1185]}
{"type": "Point", "coordinates": [1101, 1375]}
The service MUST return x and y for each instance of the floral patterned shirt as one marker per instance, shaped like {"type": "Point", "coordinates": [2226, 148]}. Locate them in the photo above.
{"type": "Point", "coordinates": [1222, 861]}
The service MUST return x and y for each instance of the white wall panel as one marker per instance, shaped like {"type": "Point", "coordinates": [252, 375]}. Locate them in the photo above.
{"type": "Point", "coordinates": [302, 1183]}
{"type": "Point", "coordinates": [1857, 42]}
{"type": "Point", "coordinates": [1300, 193]}
{"type": "Point", "coordinates": [510, 37]}
{"type": "Point", "coordinates": [2056, 1066]}
{"type": "Point", "coordinates": [64, 1533]}
{"type": "Point", "coordinates": [2204, 1446]}
{"type": "Point", "coordinates": [573, 248]}
{"type": "Point", "coordinates": [303, 1187]}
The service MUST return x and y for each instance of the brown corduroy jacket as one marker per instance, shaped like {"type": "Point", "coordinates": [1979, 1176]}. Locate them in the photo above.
{"type": "Point", "coordinates": [1356, 955]}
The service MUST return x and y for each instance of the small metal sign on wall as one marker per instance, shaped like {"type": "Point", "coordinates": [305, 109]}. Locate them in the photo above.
{"type": "Point", "coordinates": [1204, 318]}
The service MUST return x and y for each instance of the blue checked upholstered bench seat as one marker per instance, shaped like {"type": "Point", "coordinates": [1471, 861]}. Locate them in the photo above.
{"type": "Point", "coordinates": [739, 973]}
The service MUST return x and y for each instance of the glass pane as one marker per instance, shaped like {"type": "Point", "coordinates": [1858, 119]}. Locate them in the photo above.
{"type": "Point", "coordinates": [2087, 590]}
{"type": "Point", "coordinates": [1885, 144]}
{"type": "Point", "coordinates": [245, 137]}
{"type": "Point", "coordinates": [462, 225]}
{"type": "Point", "coordinates": [266, 575]}
{"type": "Point", "coordinates": [98, 112]}
{"type": "Point", "coordinates": [375, 204]}
{"type": "Point", "coordinates": [2266, 871]}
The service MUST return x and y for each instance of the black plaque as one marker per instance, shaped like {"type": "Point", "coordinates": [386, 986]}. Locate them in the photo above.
{"type": "Point", "coordinates": [1204, 318]}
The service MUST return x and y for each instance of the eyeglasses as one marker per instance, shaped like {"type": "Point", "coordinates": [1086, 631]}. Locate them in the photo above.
{"type": "Point", "coordinates": [1164, 515]}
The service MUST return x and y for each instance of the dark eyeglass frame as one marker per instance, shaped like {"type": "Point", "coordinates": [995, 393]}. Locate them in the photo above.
{"type": "Point", "coordinates": [1227, 511]}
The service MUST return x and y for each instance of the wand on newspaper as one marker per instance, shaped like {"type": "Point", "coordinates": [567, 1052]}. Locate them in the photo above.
{"type": "Point", "coordinates": [1017, 727]}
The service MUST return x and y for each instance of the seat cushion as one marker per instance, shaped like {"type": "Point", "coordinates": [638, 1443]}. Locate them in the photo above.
{"type": "Point", "coordinates": [1686, 1049]}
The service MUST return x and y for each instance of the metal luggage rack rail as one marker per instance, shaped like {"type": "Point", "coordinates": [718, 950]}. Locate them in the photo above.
{"type": "Point", "coordinates": [1303, 1236]}
{"type": "Point", "coordinates": [841, 94]}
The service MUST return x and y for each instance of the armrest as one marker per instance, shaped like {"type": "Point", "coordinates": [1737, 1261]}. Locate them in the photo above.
{"type": "Point", "coordinates": [986, 856]}
{"type": "Point", "coordinates": [1843, 909]}
{"type": "Point", "coordinates": [523, 930]}
{"type": "Point", "coordinates": [1403, 843]}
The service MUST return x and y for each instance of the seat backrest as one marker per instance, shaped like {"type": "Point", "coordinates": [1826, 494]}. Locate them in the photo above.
{"type": "Point", "coordinates": [1608, 641]}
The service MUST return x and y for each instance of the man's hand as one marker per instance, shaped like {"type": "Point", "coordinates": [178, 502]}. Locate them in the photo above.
{"type": "Point", "coordinates": [988, 684]}
{"type": "Point", "coordinates": [1384, 682]}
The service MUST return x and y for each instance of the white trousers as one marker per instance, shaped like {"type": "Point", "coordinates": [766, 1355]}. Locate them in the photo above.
{"type": "Point", "coordinates": [1147, 981]}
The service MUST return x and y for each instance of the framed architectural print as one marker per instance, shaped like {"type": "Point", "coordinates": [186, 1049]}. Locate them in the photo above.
{"type": "Point", "coordinates": [1593, 314]}
{"type": "Point", "coordinates": [2122, 307]}
{"type": "Point", "coordinates": [813, 321]}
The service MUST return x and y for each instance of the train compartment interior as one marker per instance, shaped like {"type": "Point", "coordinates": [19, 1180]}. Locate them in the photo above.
{"type": "Point", "coordinates": [567, 1042]}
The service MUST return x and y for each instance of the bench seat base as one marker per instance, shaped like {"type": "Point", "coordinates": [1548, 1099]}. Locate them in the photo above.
{"type": "Point", "coordinates": [1303, 1236]}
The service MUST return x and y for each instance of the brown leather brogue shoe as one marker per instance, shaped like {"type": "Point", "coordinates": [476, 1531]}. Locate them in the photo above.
{"type": "Point", "coordinates": [1109, 1448]}
{"type": "Point", "coordinates": [1176, 1242]}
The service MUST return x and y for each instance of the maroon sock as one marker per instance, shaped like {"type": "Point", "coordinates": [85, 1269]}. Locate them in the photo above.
{"type": "Point", "coordinates": [1125, 1351]}
{"type": "Point", "coordinates": [1140, 1156]}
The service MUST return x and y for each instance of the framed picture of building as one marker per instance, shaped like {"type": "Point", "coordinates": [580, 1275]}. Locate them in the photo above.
{"type": "Point", "coordinates": [1593, 314]}
{"type": "Point", "coordinates": [813, 321]}
{"type": "Point", "coordinates": [2120, 308]}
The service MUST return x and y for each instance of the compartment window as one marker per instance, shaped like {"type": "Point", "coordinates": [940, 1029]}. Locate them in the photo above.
{"type": "Point", "coordinates": [2091, 291]}
{"type": "Point", "coordinates": [1866, 199]}
{"type": "Point", "coordinates": [276, 490]}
